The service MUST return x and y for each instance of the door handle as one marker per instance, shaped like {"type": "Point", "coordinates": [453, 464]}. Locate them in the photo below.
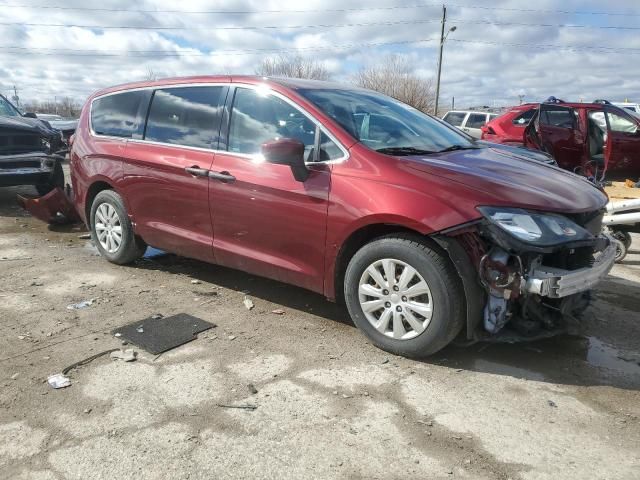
{"type": "Point", "coordinates": [224, 177]}
{"type": "Point", "coordinates": [197, 171]}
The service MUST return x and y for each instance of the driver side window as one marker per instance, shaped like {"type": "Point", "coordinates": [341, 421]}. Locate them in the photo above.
{"type": "Point", "coordinates": [257, 118]}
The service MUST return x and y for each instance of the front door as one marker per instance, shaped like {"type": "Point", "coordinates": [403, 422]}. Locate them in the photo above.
{"type": "Point", "coordinates": [265, 221]}
{"type": "Point", "coordinates": [166, 172]}
{"type": "Point", "coordinates": [623, 144]}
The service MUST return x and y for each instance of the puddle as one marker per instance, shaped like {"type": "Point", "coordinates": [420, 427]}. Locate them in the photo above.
{"type": "Point", "coordinates": [601, 355]}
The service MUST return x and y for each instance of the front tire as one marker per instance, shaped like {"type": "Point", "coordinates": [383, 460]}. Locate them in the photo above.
{"type": "Point", "coordinates": [111, 229]}
{"type": "Point", "coordinates": [405, 295]}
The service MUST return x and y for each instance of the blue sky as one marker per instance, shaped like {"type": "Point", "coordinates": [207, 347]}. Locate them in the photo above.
{"type": "Point", "coordinates": [482, 63]}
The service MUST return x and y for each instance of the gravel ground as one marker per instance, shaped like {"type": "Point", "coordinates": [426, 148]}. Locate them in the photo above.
{"type": "Point", "coordinates": [329, 404]}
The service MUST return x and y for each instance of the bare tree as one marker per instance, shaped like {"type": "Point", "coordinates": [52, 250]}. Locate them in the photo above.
{"type": "Point", "coordinates": [294, 67]}
{"type": "Point", "coordinates": [151, 75]}
{"type": "Point", "coordinates": [395, 77]}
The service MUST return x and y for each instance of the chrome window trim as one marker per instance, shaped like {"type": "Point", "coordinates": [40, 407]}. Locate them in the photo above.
{"type": "Point", "coordinates": [345, 153]}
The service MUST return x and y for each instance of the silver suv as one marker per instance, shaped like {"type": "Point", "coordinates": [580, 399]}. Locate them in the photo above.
{"type": "Point", "coordinates": [468, 121]}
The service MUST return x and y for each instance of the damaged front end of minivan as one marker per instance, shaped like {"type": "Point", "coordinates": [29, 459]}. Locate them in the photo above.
{"type": "Point", "coordinates": [528, 274]}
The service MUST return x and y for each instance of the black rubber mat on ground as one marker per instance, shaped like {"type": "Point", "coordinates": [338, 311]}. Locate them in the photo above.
{"type": "Point", "coordinates": [157, 335]}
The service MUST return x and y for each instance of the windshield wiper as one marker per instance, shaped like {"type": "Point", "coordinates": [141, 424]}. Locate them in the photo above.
{"type": "Point", "coordinates": [453, 148]}
{"type": "Point", "coordinates": [403, 151]}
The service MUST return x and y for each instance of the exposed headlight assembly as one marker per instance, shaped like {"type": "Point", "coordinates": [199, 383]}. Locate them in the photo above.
{"type": "Point", "coordinates": [540, 229]}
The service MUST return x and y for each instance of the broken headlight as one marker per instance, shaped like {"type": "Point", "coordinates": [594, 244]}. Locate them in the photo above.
{"type": "Point", "coordinates": [541, 229]}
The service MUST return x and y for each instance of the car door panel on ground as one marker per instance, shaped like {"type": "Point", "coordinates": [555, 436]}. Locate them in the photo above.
{"type": "Point", "coordinates": [266, 222]}
{"type": "Point", "coordinates": [167, 172]}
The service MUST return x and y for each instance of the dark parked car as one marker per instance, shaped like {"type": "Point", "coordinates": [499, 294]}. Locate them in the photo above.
{"type": "Point", "coordinates": [424, 234]}
{"type": "Point", "coordinates": [66, 125]}
{"type": "Point", "coordinates": [29, 150]}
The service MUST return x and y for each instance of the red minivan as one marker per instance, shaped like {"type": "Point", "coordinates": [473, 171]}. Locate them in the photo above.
{"type": "Point", "coordinates": [425, 234]}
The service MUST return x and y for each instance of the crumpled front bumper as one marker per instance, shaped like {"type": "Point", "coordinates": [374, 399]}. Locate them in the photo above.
{"type": "Point", "coordinates": [26, 168]}
{"type": "Point", "coordinates": [558, 283]}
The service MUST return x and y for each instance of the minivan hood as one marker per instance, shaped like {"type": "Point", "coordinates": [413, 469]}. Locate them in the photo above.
{"type": "Point", "coordinates": [508, 179]}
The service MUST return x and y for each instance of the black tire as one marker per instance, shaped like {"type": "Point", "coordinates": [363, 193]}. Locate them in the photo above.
{"type": "Point", "coordinates": [131, 247]}
{"type": "Point", "coordinates": [624, 237]}
{"type": "Point", "coordinates": [447, 294]}
{"type": "Point", "coordinates": [621, 250]}
{"type": "Point", "coordinates": [56, 181]}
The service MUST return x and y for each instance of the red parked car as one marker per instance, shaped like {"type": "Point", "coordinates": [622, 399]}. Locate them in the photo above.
{"type": "Point", "coordinates": [424, 234]}
{"type": "Point", "coordinates": [595, 139]}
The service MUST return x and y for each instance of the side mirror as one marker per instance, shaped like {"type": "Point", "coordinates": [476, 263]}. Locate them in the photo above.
{"type": "Point", "coordinates": [30, 115]}
{"type": "Point", "coordinates": [287, 151]}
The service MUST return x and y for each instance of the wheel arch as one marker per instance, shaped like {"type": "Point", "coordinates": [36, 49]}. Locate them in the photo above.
{"type": "Point", "coordinates": [94, 189]}
{"type": "Point", "coordinates": [356, 240]}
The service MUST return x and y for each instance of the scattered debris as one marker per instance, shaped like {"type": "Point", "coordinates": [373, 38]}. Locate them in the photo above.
{"type": "Point", "coordinates": [84, 236]}
{"type": "Point", "coordinates": [118, 334]}
{"type": "Point", "coordinates": [232, 337]}
{"type": "Point", "coordinates": [278, 311]}
{"type": "Point", "coordinates": [87, 410]}
{"type": "Point", "coordinates": [128, 355]}
{"type": "Point", "coordinates": [156, 316]}
{"type": "Point", "coordinates": [15, 376]}
{"type": "Point", "coordinates": [81, 305]}
{"type": "Point", "coordinates": [242, 407]}
{"type": "Point", "coordinates": [248, 303]}
{"type": "Point", "coordinates": [157, 335]}
{"type": "Point", "coordinates": [152, 253]}
{"type": "Point", "coordinates": [252, 389]}
{"type": "Point", "coordinates": [195, 282]}
{"type": "Point", "coordinates": [37, 283]}
{"type": "Point", "coordinates": [59, 381]}
{"type": "Point", "coordinates": [386, 360]}
{"type": "Point", "coordinates": [5, 259]}
{"type": "Point", "coordinates": [552, 403]}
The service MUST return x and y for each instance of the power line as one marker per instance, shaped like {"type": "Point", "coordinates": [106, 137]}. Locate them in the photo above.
{"type": "Point", "coordinates": [20, 50]}
{"type": "Point", "coordinates": [196, 27]}
{"type": "Point", "coordinates": [161, 53]}
{"type": "Point", "coordinates": [625, 50]}
{"type": "Point", "coordinates": [294, 27]}
{"type": "Point", "coordinates": [353, 9]}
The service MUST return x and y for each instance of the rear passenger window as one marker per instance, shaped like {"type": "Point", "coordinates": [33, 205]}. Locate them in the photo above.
{"type": "Point", "coordinates": [188, 116]}
{"type": "Point", "coordinates": [557, 117]}
{"type": "Point", "coordinates": [119, 115]}
{"type": "Point", "coordinates": [476, 120]}
{"type": "Point", "coordinates": [454, 118]}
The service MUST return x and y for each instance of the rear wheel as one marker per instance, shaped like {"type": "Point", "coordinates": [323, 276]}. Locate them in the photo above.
{"type": "Point", "coordinates": [405, 296]}
{"type": "Point", "coordinates": [111, 229]}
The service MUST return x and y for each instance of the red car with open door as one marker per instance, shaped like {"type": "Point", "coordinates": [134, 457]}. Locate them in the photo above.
{"type": "Point", "coordinates": [595, 139]}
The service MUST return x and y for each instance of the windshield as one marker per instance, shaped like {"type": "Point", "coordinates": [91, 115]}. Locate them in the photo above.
{"type": "Point", "coordinates": [8, 110]}
{"type": "Point", "coordinates": [385, 124]}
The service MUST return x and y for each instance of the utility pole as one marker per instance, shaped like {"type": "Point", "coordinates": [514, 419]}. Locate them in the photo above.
{"type": "Point", "coordinates": [443, 37]}
{"type": "Point", "coordinates": [444, 19]}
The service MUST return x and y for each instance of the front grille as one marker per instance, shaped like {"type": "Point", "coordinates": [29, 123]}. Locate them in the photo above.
{"type": "Point", "coordinates": [21, 164]}
{"type": "Point", "coordinates": [20, 143]}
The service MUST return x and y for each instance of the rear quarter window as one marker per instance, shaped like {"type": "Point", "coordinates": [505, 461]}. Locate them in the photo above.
{"type": "Point", "coordinates": [454, 118]}
{"type": "Point", "coordinates": [120, 114]}
{"type": "Point", "coordinates": [476, 120]}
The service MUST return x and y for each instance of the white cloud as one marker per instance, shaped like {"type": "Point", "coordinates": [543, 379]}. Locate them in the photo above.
{"type": "Point", "coordinates": [475, 73]}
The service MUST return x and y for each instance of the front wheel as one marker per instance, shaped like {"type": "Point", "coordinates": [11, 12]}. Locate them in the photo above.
{"type": "Point", "coordinates": [405, 296]}
{"type": "Point", "coordinates": [111, 229]}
